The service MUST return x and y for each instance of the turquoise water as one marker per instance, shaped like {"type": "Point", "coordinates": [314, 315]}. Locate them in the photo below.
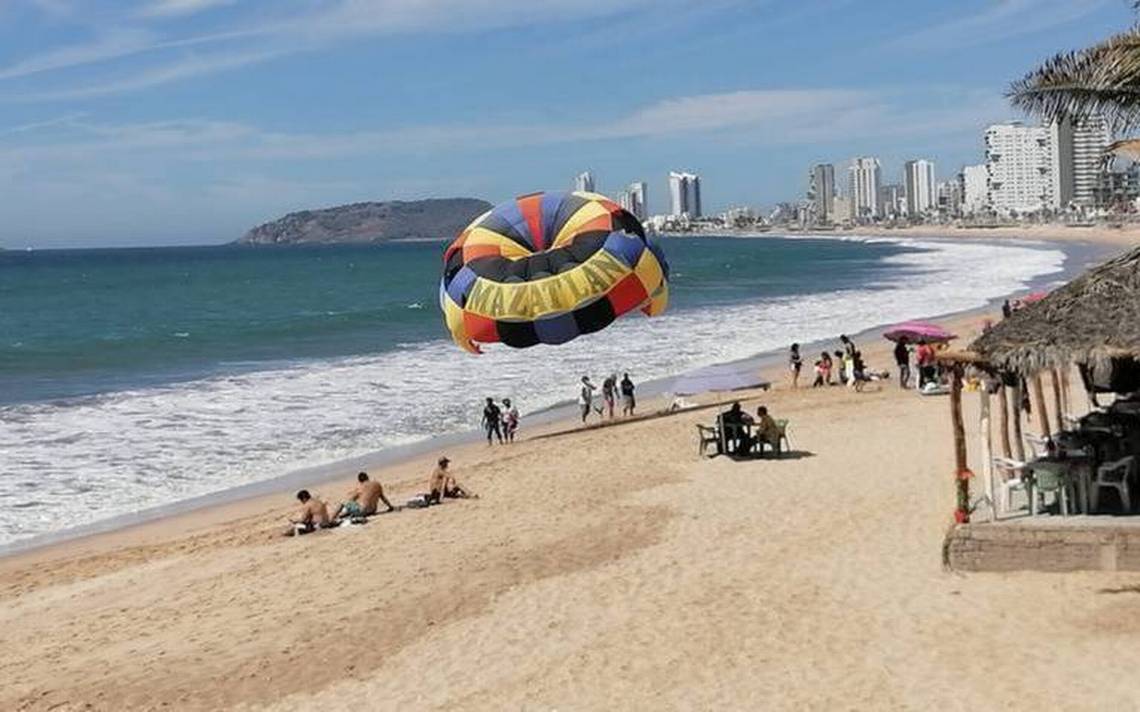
{"type": "Point", "coordinates": [136, 378]}
{"type": "Point", "coordinates": [87, 321]}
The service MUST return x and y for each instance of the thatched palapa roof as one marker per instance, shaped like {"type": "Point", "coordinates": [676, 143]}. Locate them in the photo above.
{"type": "Point", "coordinates": [1092, 319]}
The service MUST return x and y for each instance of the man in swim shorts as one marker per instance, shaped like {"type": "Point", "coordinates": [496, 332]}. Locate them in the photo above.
{"type": "Point", "coordinates": [313, 515]}
{"type": "Point", "coordinates": [363, 500]}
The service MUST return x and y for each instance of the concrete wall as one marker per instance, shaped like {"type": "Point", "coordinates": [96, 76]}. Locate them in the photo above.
{"type": "Point", "coordinates": [1044, 547]}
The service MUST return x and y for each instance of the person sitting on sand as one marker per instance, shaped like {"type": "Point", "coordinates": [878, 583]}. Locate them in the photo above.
{"type": "Point", "coordinates": [767, 430]}
{"type": "Point", "coordinates": [453, 490]}
{"type": "Point", "coordinates": [735, 423]}
{"type": "Point", "coordinates": [363, 500]}
{"type": "Point", "coordinates": [313, 515]}
{"type": "Point", "coordinates": [436, 482]}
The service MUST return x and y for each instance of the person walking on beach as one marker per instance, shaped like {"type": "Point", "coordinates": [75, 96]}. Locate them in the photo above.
{"type": "Point", "coordinates": [848, 345]}
{"type": "Point", "coordinates": [493, 421]}
{"type": "Point", "coordinates": [609, 393]}
{"type": "Point", "coordinates": [1006, 309]}
{"type": "Point", "coordinates": [510, 420]}
{"type": "Point", "coordinates": [796, 364]}
{"type": "Point", "coordinates": [826, 363]}
{"type": "Point", "coordinates": [902, 360]}
{"type": "Point", "coordinates": [628, 403]}
{"type": "Point", "coordinates": [586, 397]}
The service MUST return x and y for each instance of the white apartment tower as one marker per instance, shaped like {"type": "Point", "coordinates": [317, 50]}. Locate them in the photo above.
{"type": "Point", "coordinates": [1078, 153]}
{"type": "Point", "coordinates": [821, 191]}
{"type": "Point", "coordinates": [921, 196]}
{"type": "Point", "coordinates": [974, 190]}
{"type": "Point", "coordinates": [637, 205]}
{"type": "Point", "coordinates": [1019, 168]}
{"type": "Point", "coordinates": [684, 194]}
{"type": "Point", "coordinates": [864, 176]}
{"type": "Point", "coordinates": [584, 183]}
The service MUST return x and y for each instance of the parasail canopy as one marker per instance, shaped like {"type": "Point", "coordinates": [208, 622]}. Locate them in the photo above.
{"type": "Point", "coordinates": [546, 268]}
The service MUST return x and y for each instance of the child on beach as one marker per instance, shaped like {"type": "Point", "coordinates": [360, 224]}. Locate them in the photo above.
{"type": "Point", "coordinates": [820, 372]}
{"type": "Point", "coordinates": [839, 365]}
{"type": "Point", "coordinates": [826, 363]}
{"type": "Point", "coordinates": [795, 364]}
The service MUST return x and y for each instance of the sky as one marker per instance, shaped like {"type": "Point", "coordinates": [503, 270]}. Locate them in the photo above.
{"type": "Point", "coordinates": [164, 122]}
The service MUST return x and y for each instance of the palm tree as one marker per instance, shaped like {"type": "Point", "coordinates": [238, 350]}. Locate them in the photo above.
{"type": "Point", "coordinates": [1103, 79]}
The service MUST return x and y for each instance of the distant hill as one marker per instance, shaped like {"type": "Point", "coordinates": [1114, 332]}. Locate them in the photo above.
{"type": "Point", "coordinates": [359, 223]}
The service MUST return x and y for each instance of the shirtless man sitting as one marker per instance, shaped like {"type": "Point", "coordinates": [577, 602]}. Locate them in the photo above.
{"type": "Point", "coordinates": [362, 500]}
{"type": "Point", "coordinates": [313, 515]}
{"type": "Point", "coordinates": [437, 481]}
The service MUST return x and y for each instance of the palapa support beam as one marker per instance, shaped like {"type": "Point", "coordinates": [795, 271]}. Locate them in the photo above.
{"type": "Point", "coordinates": [1058, 406]}
{"type": "Point", "coordinates": [961, 473]}
{"type": "Point", "coordinates": [1003, 419]}
{"type": "Point", "coordinates": [1038, 393]}
{"type": "Point", "coordinates": [1017, 393]}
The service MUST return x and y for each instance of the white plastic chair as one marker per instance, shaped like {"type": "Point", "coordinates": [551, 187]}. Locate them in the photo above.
{"type": "Point", "coordinates": [1012, 472]}
{"type": "Point", "coordinates": [1038, 446]}
{"type": "Point", "coordinates": [1115, 475]}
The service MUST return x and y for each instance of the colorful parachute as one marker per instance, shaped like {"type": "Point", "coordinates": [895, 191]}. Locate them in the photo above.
{"type": "Point", "coordinates": [546, 268]}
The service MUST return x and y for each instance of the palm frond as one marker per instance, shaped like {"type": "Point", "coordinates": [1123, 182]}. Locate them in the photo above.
{"type": "Point", "coordinates": [1102, 79]}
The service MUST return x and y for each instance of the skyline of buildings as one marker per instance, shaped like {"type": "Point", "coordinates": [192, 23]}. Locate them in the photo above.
{"type": "Point", "coordinates": [584, 182]}
{"type": "Point", "coordinates": [919, 184]}
{"type": "Point", "coordinates": [821, 191]}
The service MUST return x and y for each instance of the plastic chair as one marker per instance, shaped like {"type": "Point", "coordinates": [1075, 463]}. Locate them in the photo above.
{"type": "Point", "coordinates": [1115, 475]}
{"type": "Point", "coordinates": [1013, 472]}
{"type": "Point", "coordinates": [1038, 446]}
{"type": "Point", "coordinates": [1049, 477]}
{"type": "Point", "coordinates": [782, 424]}
{"type": "Point", "coordinates": [707, 436]}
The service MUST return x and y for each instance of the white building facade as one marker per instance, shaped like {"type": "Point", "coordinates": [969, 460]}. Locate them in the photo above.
{"type": "Point", "coordinates": [584, 183]}
{"type": "Point", "coordinates": [974, 189]}
{"type": "Point", "coordinates": [921, 195]}
{"type": "Point", "coordinates": [1078, 160]}
{"type": "Point", "coordinates": [864, 180]}
{"type": "Point", "coordinates": [1019, 168]}
{"type": "Point", "coordinates": [684, 195]}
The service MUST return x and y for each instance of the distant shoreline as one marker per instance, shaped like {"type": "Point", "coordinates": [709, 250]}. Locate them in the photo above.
{"type": "Point", "coordinates": [1125, 236]}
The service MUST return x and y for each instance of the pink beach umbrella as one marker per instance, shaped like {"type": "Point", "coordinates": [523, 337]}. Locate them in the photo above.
{"type": "Point", "coordinates": [918, 331]}
{"type": "Point", "coordinates": [1035, 297]}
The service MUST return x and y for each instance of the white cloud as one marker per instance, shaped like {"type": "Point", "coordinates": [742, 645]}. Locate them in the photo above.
{"type": "Point", "coordinates": [757, 117]}
{"type": "Point", "coordinates": [111, 45]}
{"type": "Point", "coordinates": [185, 68]}
{"type": "Point", "coordinates": [1001, 19]}
{"type": "Point", "coordinates": [178, 8]}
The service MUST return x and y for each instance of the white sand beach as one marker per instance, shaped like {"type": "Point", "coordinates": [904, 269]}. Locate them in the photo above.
{"type": "Point", "coordinates": [612, 568]}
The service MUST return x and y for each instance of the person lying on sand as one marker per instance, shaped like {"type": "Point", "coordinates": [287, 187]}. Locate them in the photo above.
{"type": "Point", "coordinates": [363, 500]}
{"type": "Point", "coordinates": [313, 515]}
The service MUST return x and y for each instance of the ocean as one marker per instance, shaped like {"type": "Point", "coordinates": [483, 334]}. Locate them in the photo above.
{"type": "Point", "coordinates": [136, 378]}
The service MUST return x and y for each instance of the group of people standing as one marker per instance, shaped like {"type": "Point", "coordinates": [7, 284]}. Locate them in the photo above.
{"type": "Point", "coordinates": [611, 388]}
{"type": "Point", "coordinates": [925, 359]}
{"type": "Point", "coordinates": [845, 367]}
{"type": "Point", "coordinates": [501, 423]}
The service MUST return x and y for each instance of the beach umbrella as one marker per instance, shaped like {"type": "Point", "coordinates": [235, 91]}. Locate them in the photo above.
{"type": "Point", "coordinates": [918, 331]}
{"type": "Point", "coordinates": [546, 268]}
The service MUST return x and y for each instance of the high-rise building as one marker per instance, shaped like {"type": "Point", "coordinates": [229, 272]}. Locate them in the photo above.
{"type": "Point", "coordinates": [1019, 168]}
{"type": "Point", "coordinates": [892, 201]}
{"type": "Point", "coordinates": [974, 189]}
{"type": "Point", "coordinates": [637, 197]}
{"type": "Point", "coordinates": [864, 179]}
{"type": "Point", "coordinates": [1078, 157]}
{"type": "Point", "coordinates": [584, 182]}
{"type": "Point", "coordinates": [685, 194]}
{"type": "Point", "coordinates": [821, 191]}
{"type": "Point", "coordinates": [949, 200]}
{"type": "Point", "coordinates": [840, 208]}
{"type": "Point", "coordinates": [920, 187]}
{"type": "Point", "coordinates": [1119, 184]}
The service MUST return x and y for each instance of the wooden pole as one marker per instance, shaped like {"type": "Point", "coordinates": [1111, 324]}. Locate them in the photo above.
{"type": "Point", "coordinates": [1038, 393]}
{"type": "Point", "coordinates": [1058, 406]}
{"type": "Point", "coordinates": [987, 451]}
{"type": "Point", "coordinates": [1066, 400]}
{"type": "Point", "coordinates": [962, 512]}
{"type": "Point", "coordinates": [1017, 394]}
{"type": "Point", "coordinates": [1003, 418]}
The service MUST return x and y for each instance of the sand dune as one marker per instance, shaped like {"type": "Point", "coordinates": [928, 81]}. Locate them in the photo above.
{"type": "Point", "coordinates": [608, 569]}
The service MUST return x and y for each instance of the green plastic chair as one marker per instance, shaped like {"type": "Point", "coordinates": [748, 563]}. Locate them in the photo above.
{"type": "Point", "coordinates": [1050, 477]}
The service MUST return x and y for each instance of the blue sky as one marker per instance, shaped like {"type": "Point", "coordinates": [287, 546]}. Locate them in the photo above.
{"type": "Point", "coordinates": [148, 122]}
